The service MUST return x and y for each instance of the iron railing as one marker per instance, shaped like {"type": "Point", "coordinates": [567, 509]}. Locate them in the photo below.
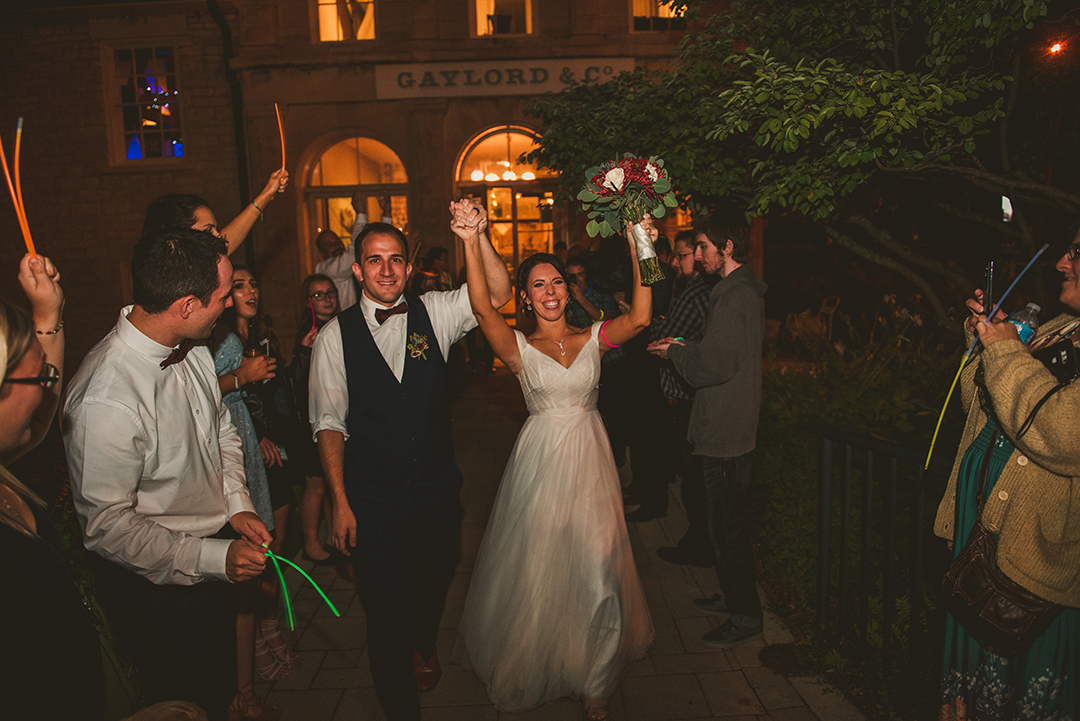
{"type": "Point", "coordinates": [889, 486]}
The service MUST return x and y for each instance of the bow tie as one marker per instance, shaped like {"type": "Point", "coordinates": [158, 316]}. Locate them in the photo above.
{"type": "Point", "coordinates": [179, 353]}
{"type": "Point", "coordinates": [383, 314]}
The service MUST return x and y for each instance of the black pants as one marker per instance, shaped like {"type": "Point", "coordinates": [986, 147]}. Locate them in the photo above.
{"type": "Point", "coordinates": [692, 490]}
{"type": "Point", "coordinates": [182, 639]}
{"type": "Point", "coordinates": [406, 549]}
{"type": "Point", "coordinates": [727, 481]}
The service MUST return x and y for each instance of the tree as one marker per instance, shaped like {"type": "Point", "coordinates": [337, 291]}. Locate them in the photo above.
{"type": "Point", "coordinates": [828, 111]}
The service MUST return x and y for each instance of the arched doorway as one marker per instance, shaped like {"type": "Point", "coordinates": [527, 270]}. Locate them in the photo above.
{"type": "Point", "coordinates": [355, 165]}
{"type": "Point", "coordinates": [519, 197]}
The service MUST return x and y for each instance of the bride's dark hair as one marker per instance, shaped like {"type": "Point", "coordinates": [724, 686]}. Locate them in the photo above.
{"type": "Point", "coordinates": [525, 269]}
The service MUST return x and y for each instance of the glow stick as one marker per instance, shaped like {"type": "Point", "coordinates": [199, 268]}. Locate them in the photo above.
{"type": "Point", "coordinates": [284, 590]}
{"type": "Point", "coordinates": [281, 133]}
{"type": "Point", "coordinates": [971, 348]}
{"type": "Point", "coordinates": [312, 306]}
{"type": "Point", "coordinates": [16, 190]}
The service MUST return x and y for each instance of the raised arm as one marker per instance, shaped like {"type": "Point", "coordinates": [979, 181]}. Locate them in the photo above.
{"type": "Point", "coordinates": [483, 301]}
{"type": "Point", "coordinates": [628, 325]}
{"type": "Point", "coordinates": [241, 225]}
{"type": "Point", "coordinates": [498, 280]}
{"type": "Point", "coordinates": [40, 281]}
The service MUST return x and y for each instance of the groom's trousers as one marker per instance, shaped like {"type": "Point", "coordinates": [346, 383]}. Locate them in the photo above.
{"type": "Point", "coordinates": [407, 541]}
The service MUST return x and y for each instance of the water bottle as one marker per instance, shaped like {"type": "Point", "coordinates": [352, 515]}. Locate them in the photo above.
{"type": "Point", "coordinates": [1026, 321]}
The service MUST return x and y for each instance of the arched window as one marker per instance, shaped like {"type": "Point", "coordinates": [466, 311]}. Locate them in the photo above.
{"type": "Point", "coordinates": [519, 197]}
{"type": "Point", "coordinates": [356, 165]}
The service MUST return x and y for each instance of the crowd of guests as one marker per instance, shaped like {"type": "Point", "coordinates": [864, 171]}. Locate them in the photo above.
{"type": "Point", "coordinates": [190, 431]}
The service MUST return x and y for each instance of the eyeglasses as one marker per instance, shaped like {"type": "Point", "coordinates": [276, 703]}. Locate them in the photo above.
{"type": "Point", "coordinates": [1073, 251]}
{"type": "Point", "coordinates": [52, 374]}
{"type": "Point", "coordinates": [320, 294]}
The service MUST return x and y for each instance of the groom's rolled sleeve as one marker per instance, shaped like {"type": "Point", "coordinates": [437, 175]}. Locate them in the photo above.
{"type": "Point", "coordinates": [328, 391]}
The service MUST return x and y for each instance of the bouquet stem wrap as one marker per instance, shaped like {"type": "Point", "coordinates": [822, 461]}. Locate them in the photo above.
{"type": "Point", "coordinates": [646, 253]}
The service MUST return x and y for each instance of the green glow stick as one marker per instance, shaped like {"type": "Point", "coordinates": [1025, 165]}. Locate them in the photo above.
{"type": "Point", "coordinates": [284, 589]}
{"type": "Point", "coordinates": [275, 558]}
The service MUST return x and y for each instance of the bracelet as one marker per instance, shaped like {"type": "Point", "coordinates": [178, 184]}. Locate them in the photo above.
{"type": "Point", "coordinates": [54, 331]}
{"type": "Point", "coordinates": [258, 209]}
{"type": "Point", "coordinates": [604, 337]}
{"type": "Point", "coordinates": [601, 315]}
{"type": "Point", "coordinates": [236, 379]}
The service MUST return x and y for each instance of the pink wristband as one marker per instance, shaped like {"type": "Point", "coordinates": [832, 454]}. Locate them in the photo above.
{"type": "Point", "coordinates": [604, 337]}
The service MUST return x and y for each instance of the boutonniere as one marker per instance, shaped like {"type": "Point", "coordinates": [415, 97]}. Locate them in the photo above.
{"type": "Point", "coordinates": [417, 345]}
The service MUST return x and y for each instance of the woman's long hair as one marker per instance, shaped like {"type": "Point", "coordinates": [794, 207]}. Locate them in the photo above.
{"type": "Point", "coordinates": [16, 337]}
{"type": "Point", "coordinates": [264, 325]}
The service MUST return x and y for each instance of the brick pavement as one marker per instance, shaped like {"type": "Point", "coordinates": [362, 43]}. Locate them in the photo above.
{"type": "Point", "coordinates": [678, 679]}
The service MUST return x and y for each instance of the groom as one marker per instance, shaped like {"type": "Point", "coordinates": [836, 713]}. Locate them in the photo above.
{"type": "Point", "coordinates": [380, 416]}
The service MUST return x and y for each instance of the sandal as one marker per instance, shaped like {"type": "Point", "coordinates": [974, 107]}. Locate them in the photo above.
{"type": "Point", "coordinates": [247, 706]}
{"type": "Point", "coordinates": [271, 636]}
{"type": "Point", "coordinates": [267, 664]}
{"type": "Point", "coordinates": [596, 709]}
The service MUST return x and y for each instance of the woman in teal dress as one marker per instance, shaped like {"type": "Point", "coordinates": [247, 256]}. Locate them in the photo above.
{"type": "Point", "coordinates": [1032, 505]}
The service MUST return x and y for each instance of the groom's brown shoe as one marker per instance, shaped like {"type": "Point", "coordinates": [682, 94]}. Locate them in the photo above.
{"type": "Point", "coordinates": [427, 672]}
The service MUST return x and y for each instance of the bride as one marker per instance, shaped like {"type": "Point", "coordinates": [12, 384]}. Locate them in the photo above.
{"type": "Point", "coordinates": [555, 607]}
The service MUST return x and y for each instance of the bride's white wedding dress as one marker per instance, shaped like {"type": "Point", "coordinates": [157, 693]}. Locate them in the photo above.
{"type": "Point", "coordinates": [555, 607]}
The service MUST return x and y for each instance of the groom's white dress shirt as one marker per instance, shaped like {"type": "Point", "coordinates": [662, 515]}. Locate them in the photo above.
{"type": "Point", "coordinates": [156, 463]}
{"type": "Point", "coordinates": [328, 402]}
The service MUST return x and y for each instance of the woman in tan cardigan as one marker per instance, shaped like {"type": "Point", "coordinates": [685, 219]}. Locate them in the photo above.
{"type": "Point", "coordinates": [1032, 504]}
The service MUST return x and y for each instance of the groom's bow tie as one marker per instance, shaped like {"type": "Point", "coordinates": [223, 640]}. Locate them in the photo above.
{"type": "Point", "coordinates": [383, 314]}
{"type": "Point", "coordinates": [178, 354]}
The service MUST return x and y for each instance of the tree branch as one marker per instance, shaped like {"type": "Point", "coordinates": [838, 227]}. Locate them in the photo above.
{"type": "Point", "coordinates": [884, 237]}
{"type": "Point", "coordinates": [928, 291]}
{"type": "Point", "coordinates": [1008, 183]}
{"type": "Point", "coordinates": [997, 225]}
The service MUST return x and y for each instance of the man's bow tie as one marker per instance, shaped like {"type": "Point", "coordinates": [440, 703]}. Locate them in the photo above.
{"type": "Point", "coordinates": [179, 353]}
{"type": "Point", "coordinates": [383, 314]}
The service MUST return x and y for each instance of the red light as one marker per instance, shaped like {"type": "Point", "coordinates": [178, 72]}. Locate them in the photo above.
{"type": "Point", "coordinates": [1056, 48]}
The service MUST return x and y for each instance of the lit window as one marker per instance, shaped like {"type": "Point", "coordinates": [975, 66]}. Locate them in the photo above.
{"type": "Point", "coordinates": [495, 157]}
{"type": "Point", "coordinates": [503, 17]}
{"type": "Point", "coordinates": [654, 15]}
{"type": "Point", "coordinates": [148, 101]}
{"type": "Point", "coordinates": [346, 20]}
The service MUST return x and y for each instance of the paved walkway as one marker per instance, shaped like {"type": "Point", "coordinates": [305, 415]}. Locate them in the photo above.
{"type": "Point", "coordinates": [678, 679]}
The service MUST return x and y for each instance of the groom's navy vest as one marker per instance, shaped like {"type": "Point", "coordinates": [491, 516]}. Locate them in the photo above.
{"type": "Point", "coordinates": [399, 433]}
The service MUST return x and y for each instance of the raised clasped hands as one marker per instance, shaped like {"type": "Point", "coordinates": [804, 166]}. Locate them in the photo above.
{"type": "Point", "coordinates": [469, 219]}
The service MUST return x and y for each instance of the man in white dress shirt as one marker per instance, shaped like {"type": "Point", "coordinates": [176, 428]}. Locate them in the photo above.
{"type": "Point", "coordinates": [157, 472]}
{"type": "Point", "coordinates": [379, 412]}
{"type": "Point", "coordinates": [338, 260]}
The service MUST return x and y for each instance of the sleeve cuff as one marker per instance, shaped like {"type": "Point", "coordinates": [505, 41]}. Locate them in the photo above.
{"type": "Point", "coordinates": [212, 553]}
{"type": "Point", "coordinates": [326, 423]}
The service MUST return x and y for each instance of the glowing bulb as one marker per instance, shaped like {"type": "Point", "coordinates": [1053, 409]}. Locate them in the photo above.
{"type": "Point", "coordinates": [528, 176]}
{"type": "Point", "coordinates": [477, 175]}
{"type": "Point", "coordinates": [1056, 48]}
{"type": "Point", "coordinates": [509, 175]}
{"type": "Point", "coordinates": [491, 177]}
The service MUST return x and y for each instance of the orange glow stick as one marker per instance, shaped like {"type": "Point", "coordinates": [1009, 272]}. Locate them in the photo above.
{"type": "Point", "coordinates": [16, 190]}
{"type": "Point", "coordinates": [281, 133]}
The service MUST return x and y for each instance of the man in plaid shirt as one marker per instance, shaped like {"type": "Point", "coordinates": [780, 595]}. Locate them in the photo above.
{"type": "Point", "coordinates": [686, 320]}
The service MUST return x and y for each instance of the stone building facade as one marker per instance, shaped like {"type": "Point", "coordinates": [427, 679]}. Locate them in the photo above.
{"type": "Point", "coordinates": [420, 100]}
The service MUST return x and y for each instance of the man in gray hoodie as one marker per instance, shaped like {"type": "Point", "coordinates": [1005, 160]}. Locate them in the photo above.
{"type": "Point", "coordinates": [724, 368]}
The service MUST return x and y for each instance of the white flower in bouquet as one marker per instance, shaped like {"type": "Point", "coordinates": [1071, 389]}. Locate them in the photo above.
{"type": "Point", "coordinates": [653, 175]}
{"type": "Point", "coordinates": [614, 179]}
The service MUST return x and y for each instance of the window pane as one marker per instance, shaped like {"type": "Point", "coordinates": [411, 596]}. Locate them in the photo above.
{"type": "Point", "coordinates": [497, 156]}
{"type": "Point", "coordinates": [502, 237]}
{"type": "Point", "coordinates": [346, 20]}
{"type": "Point", "coordinates": [149, 103]}
{"type": "Point", "coordinates": [342, 217]}
{"type": "Point", "coordinates": [503, 17]}
{"type": "Point", "coordinates": [359, 161]}
{"type": "Point", "coordinates": [152, 145]}
{"type": "Point", "coordinates": [500, 204]}
{"type": "Point", "coordinates": [533, 238]}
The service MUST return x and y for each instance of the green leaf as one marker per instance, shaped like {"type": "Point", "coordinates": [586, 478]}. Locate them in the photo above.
{"type": "Point", "coordinates": [592, 228]}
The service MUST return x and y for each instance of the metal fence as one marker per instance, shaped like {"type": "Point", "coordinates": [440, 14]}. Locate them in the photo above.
{"type": "Point", "coordinates": [880, 514]}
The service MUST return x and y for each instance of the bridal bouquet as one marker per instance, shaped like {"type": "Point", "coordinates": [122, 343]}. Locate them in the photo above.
{"type": "Point", "coordinates": [625, 191]}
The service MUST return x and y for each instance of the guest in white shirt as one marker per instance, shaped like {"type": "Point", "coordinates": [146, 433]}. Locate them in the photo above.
{"type": "Point", "coordinates": [379, 412]}
{"type": "Point", "coordinates": [157, 473]}
{"type": "Point", "coordinates": [338, 260]}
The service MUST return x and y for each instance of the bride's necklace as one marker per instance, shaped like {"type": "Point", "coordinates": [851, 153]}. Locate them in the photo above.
{"type": "Point", "coordinates": [562, 351]}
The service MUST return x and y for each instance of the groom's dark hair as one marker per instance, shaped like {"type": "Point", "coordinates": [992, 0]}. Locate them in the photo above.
{"type": "Point", "coordinates": [525, 269]}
